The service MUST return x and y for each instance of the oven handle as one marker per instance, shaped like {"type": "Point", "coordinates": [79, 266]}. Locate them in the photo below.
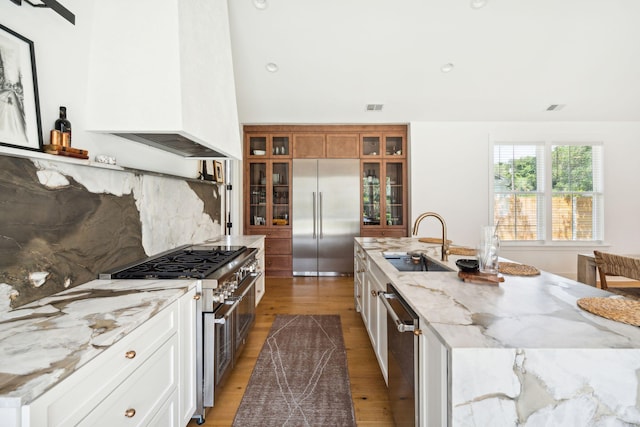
{"type": "Point", "coordinates": [232, 303]}
{"type": "Point", "coordinates": [402, 327]}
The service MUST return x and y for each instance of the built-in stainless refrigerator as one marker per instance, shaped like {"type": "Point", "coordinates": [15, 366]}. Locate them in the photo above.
{"type": "Point", "coordinates": [325, 215]}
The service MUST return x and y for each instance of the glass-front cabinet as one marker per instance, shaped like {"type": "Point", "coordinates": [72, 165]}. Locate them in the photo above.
{"type": "Point", "coordinates": [383, 145]}
{"type": "Point", "coordinates": [280, 204]}
{"type": "Point", "coordinates": [371, 202]}
{"type": "Point", "coordinates": [268, 146]}
{"type": "Point", "coordinates": [268, 185]}
{"type": "Point", "coordinates": [257, 193]}
{"type": "Point", "coordinates": [384, 194]}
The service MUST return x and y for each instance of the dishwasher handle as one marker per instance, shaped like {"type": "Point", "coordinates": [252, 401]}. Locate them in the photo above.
{"type": "Point", "coordinates": [402, 327]}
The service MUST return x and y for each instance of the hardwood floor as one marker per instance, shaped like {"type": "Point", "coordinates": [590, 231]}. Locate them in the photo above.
{"type": "Point", "coordinates": [311, 296]}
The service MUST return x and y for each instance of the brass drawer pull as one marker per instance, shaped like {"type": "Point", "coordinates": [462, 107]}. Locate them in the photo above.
{"type": "Point", "coordinates": [130, 355]}
{"type": "Point", "coordinates": [129, 413]}
{"type": "Point", "coordinates": [197, 297]}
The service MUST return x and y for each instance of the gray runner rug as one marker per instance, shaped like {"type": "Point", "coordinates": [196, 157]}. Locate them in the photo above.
{"type": "Point", "coordinates": [300, 377]}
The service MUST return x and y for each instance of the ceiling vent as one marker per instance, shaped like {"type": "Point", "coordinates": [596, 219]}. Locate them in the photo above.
{"type": "Point", "coordinates": [374, 107]}
{"type": "Point", "coordinates": [555, 107]}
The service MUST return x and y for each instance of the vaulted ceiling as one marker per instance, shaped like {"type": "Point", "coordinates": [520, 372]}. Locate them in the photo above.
{"type": "Point", "coordinates": [511, 60]}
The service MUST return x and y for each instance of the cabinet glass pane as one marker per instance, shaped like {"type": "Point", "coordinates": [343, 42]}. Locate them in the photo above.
{"type": "Point", "coordinates": [280, 186]}
{"type": "Point", "coordinates": [258, 145]}
{"type": "Point", "coordinates": [371, 194]}
{"type": "Point", "coordinates": [258, 194]}
{"type": "Point", "coordinates": [393, 145]}
{"type": "Point", "coordinates": [394, 192]}
{"type": "Point", "coordinates": [370, 145]}
{"type": "Point", "coordinates": [280, 146]}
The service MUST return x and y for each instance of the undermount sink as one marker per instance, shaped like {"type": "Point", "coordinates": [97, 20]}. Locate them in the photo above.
{"type": "Point", "coordinates": [405, 261]}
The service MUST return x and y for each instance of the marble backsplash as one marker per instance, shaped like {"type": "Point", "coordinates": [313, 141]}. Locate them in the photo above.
{"type": "Point", "coordinates": [61, 224]}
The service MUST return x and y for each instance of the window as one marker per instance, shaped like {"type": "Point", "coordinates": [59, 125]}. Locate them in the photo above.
{"type": "Point", "coordinates": [547, 191]}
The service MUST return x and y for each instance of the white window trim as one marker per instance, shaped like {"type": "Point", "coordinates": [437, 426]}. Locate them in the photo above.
{"type": "Point", "coordinates": [545, 212]}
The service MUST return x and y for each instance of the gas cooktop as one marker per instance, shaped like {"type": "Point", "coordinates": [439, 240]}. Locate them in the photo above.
{"type": "Point", "coordinates": [197, 262]}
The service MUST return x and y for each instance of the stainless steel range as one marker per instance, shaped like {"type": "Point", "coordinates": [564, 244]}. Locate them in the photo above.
{"type": "Point", "coordinates": [225, 312]}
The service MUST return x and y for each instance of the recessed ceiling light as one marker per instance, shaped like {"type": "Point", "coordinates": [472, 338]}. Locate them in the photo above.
{"type": "Point", "coordinates": [447, 67]}
{"type": "Point", "coordinates": [478, 4]}
{"type": "Point", "coordinates": [260, 4]}
{"type": "Point", "coordinates": [272, 67]}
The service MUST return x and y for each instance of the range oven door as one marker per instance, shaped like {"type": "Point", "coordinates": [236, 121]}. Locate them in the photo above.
{"type": "Point", "coordinates": [218, 348]}
{"type": "Point", "coordinates": [244, 316]}
{"type": "Point", "coordinates": [225, 332]}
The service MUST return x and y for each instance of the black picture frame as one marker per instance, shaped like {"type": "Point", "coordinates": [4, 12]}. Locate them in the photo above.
{"type": "Point", "coordinates": [20, 125]}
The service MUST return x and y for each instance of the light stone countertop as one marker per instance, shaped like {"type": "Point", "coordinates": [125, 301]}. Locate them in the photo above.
{"type": "Point", "coordinates": [248, 240]}
{"type": "Point", "coordinates": [522, 312]}
{"type": "Point", "coordinates": [521, 353]}
{"type": "Point", "coordinates": [45, 341]}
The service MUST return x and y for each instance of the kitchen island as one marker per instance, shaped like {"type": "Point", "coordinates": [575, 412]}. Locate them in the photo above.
{"type": "Point", "coordinates": [521, 353]}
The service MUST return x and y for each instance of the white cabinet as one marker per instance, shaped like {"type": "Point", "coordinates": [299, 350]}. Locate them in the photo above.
{"type": "Point", "coordinates": [359, 268]}
{"type": "Point", "coordinates": [145, 379]}
{"type": "Point", "coordinates": [368, 282]}
{"type": "Point", "coordinates": [187, 356]}
{"type": "Point", "coordinates": [142, 394]}
{"type": "Point", "coordinates": [375, 283]}
{"type": "Point", "coordinates": [433, 381]}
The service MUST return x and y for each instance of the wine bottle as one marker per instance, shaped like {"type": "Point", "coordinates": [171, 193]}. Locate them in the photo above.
{"type": "Point", "coordinates": [63, 125]}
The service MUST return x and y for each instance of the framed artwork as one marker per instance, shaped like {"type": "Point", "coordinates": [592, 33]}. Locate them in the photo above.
{"type": "Point", "coordinates": [207, 170]}
{"type": "Point", "coordinates": [219, 175]}
{"type": "Point", "coordinates": [20, 125]}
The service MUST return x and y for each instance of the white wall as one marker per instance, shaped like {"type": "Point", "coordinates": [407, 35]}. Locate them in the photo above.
{"type": "Point", "coordinates": [62, 53]}
{"type": "Point", "coordinates": [449, 174]}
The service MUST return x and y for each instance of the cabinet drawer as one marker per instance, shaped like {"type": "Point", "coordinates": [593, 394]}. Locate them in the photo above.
{"type": "Point", "coordinates": [278, 233]}
{"type": "Point", "coordinates": [278, 262]}
{"type": "Point", "coordinates": [136, 401]}
{"type": "Point", "coordinates": [72, 399]}
{"type": "Point", "coordinates": [383, 233]}
{"type": "Point", "coordinates": [277, 246]}
{"type": "Point", "coordinates": [275, 232]}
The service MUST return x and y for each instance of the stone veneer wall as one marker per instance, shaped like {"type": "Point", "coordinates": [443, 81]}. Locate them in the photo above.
{"type": "Point", "coordinates": [61, 224]}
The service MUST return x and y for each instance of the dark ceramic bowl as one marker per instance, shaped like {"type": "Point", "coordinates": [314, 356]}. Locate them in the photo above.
{"type": "Point", "coordinates": [467, 265]}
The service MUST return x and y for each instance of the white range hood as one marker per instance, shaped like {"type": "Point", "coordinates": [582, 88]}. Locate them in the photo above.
{"type": "Point", "coordinates": [161, 73]}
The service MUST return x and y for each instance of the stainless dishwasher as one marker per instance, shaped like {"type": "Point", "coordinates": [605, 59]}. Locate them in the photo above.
{"type": "Point", "coordinates": [402, 345]}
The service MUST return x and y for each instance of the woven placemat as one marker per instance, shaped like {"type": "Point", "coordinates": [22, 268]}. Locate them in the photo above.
{"type": "Point", "coordinates": [515, 269]}
{"type": "Point", "coordinates": [459, 250]}
{"type": "Point", "coordinates": [619, 309]}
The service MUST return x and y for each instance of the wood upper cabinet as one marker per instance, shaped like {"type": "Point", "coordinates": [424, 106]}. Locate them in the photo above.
{"type": "Point", "coordinates": [383, 145]}
{"type": "Point", "coordinates": [267, 146]}
{"type": "Point", "coordinates": [269, 154]}
{"type": "Point", "coordinates": [309, 146]}
{"type": "Point", "coordinates": [342, 145]}
{"type": "Point", "coordinates": [326, 145]}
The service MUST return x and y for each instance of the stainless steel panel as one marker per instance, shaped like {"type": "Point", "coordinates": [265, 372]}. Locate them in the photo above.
{"type": "Point", "coordinates": [339, 193]}
{"type": "Point", "coordinates": [325, 215]}
{"type": "Point", "coordinates": [303, 216]}
{"type": "Point", "coordinates": [403, 356]}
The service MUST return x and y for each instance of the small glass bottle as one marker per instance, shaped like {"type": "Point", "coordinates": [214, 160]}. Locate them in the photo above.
{"type": "Point", "coordinates": [64, 126]}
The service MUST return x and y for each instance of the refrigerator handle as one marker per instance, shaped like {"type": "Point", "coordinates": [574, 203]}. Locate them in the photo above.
{"type": "Point", "coordinates": [314, 214]}
{"type": "Point", "coordinates": [320, 212]}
